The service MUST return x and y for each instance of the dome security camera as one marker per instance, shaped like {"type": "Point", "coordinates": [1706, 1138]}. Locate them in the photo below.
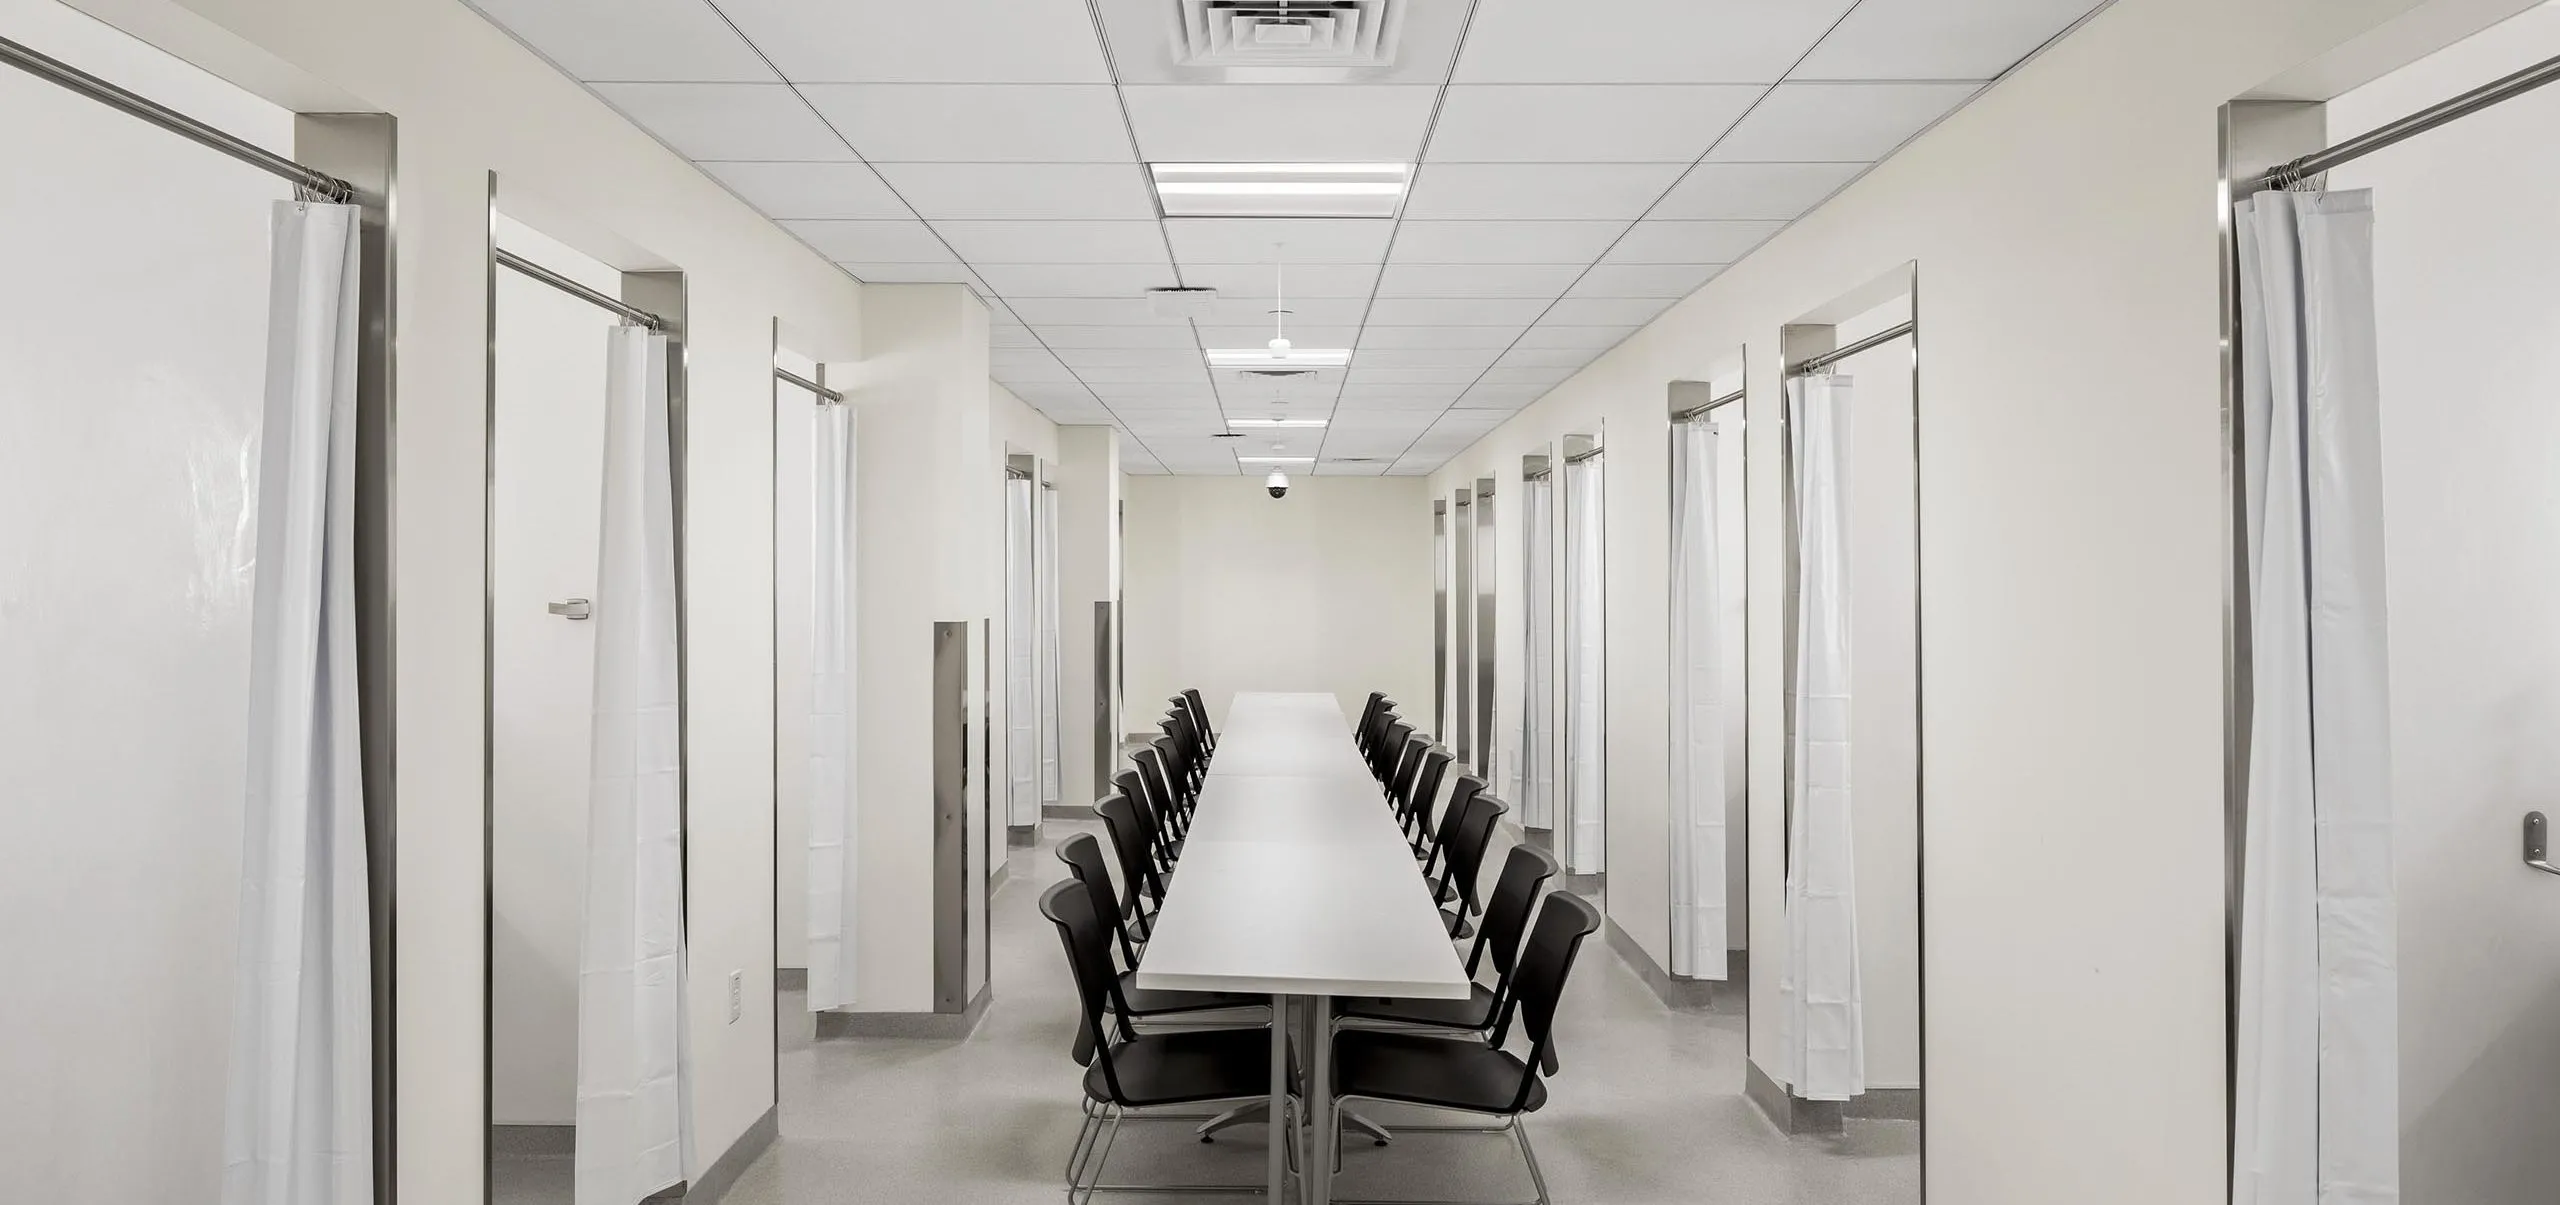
{"type": "Point", "coordinates": [1277, 483]}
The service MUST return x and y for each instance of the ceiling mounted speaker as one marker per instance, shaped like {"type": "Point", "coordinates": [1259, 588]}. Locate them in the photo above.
{"type": "Point", "coordinates": [1288, 33]}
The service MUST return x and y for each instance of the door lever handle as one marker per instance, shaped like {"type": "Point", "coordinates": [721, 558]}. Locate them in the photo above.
{"type": "Point", "coordinates": [579, 608]}
{"type": "Point", "coordinates": [2537, 843]}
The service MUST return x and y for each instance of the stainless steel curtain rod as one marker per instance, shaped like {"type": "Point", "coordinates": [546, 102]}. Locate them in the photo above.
{"type": "Point", "coordinates": [1829, 358]}
{"type": "Point", "coordinates": [789, 377]}
{"type": "Point", "coordinates": [511, 260]}
{"type": "Point", "coordinates": [1579, 457]}
{"type": "Point", "coordinates": [2286, 175]}
{"type": "Point", "coordinates": [44, 66]}
{"type": "Point", "coordinates": [1707, 405]}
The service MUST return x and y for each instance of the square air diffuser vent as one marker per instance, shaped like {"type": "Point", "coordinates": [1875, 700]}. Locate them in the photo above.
{"type": "Point", "coordinates": [1288, 33]}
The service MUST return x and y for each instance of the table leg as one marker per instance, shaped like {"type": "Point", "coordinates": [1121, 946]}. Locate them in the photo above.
{"type": "Point", "coordinates": [1280, 1132]}
{"type": "Point", "coordinates": [1319, 1173]}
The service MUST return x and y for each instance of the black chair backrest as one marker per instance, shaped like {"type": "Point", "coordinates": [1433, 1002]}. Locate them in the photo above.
{"type": "Point", "coordinates": [1200, 714]}
{"type": "Point", "coordinates": [1083, 856]}
{"type": "Point", "coordinates": [1466, 854]}
{"type": "Point", "coordinates": [1150, 810]}
{"type": "Point", "coordinates": [1368, 713]}
{"type": "Point", "coordinates": [1408, 761]}
{"type": "Point", "coordinates": [1099, 1020]}
{"type": "Point", "coordinates": [1179, 725]}
{"type": "Point", "coordinates": [1382, 763]}
{"type": "Point", "coordinates": [1425, 788]}
{"type": "Point", "coordinates": [1156, 789]}
{"type": "Point", "coordinates": [1453, 814]}
{"type": "Point", "coordinates": [1378, 726]}
{"type": "Point", "coordinates": [1563, 921]}
{"type": "Point", "coordinates": [1129, 841]}
{"type": "Point", "coordinates": [1506, 912]}
{"type": "Point", "coordinates": [1179, 785]}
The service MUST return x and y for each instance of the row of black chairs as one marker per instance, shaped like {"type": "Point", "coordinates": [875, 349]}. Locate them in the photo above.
{"type": "Point", "coordinates": [1444, 1054]}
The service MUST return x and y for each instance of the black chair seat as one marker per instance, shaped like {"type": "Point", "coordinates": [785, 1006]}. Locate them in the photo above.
{"type": "Point", "coordinates": [1456, 925]}
{"type": "Point", "coordinates": [1474, 1012]}
{"type": "Point", "coordinates": [1186, 1067]}
{"type": "Point", "coordinates": [1154, 1002]}
{"type": "Point", "coordinates": [1455, 1073]}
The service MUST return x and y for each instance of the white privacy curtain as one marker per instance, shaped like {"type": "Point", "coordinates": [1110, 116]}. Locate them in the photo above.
{"type": "Point", "coordinates": [1538, 680]}
{"type": "Point", "coordinates": [1586, 705]}
{"type": "Point", "coordinates": [1052, 708]}
{"type": "Point", "coordinates": [1698, 772]}
{"type": "Point", "coordinates": [2316, 1115]}
{"type": "Point", "coordinates": [1821, 1024]}
{"type": "Point", "coordinates": [1021, 658]}
{"type": "Point", "coordinates": [834, 828]}
{"type": "Point", "coordinates": [299, 1129]}
{"type": "Point", "coordinates": [630, 1115]}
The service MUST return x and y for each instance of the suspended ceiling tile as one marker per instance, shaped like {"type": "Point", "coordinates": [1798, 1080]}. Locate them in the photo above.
{"type": "Point", "coordinates": [1644, 280]}
{"type": "Point", "coordinates": [728, 121]}
{"type": "Point", "coordinates": [968, 41]}
{"type": "Point", "coordinates": [1547, 357]}
{"type": "Point", "coordinates": [783, 191]}
{"type": "Point", "coordinates": [597, 40]}
{"type": "Point", "coordinates": [1608, 311]}
{"type": "Point", "coordinates": [1837, 123]}
{"type": "Point", "coordinates": [1029, 374]}
{"type": "Point", "coordinates": [1596, 338]}
{"type": "Point", "coordinates": [1092, 311]}
{"type": "Point", "coordinates": [1270, 240]}
{"type": "Point", "coordinates": [1065, 393]}
{"type": "Point", "coordinates": [1641, 41]}
{"type": "Point", "coordinates": [1074, 280]}
{"type": "Point", "coordinates": [1250, 280]}
{"type": "Point", "coordinates": [1412, 376]}
{"type": "Point", "coordinates": [1008, 336]}
{"type": "Point", "coordinates": [1938, 40]}
{"type": "Point", "coordinates": [1279, 123]}
{"type": "Point", "coordinates": [1437, 336]}
{"type": "Point", "coordinates": [1690, 242]}
{"type": "Point", "coordinates": [1096, 357]}
{"type": "Point", "coordinates": [1426, 357]}
{"type": "Point", "coordinates": [1477, 280]}
{"type": "Point", "coordinates": [1330, 467]}
{"type": "Point", "coordinates": [1387, 399]}
{"type": "Point", "coordinates": [1029, 242]}
{"type": "Point", "coordinates": [1580, 123]}
{"type": "Point", "coordinates": [1309, 313]}
{"type": "Point", "coordinates": [1103, 376]}
{"type": "Point", "coordinates": [1169, 335]}
{"type": "Point", "coordinates": [1505, 400]}
{"type": "Point", "coordinates": [873, 242]}
{"type": "Point", "coordinates": [1562, 242]}
{"type": "Point", "coordinates": [977, 123]}
{"type": "Point", "coordinates": [1783, 191]}
{"type": "Point", "coordinates": [1525, 376]}
{"type": "Point", "coordinates": [1022, 190]}
{"type": "Point", "coordinates": [1145, 51]}
{"type": "Point", "coordinates": [1511, 312]}
{"type": "Point", "coordinates": [952, 273]}
{"type": "Point", "coordinates": [1537, 191]}
{"type": "Point", "coordinates": [1161, 393]}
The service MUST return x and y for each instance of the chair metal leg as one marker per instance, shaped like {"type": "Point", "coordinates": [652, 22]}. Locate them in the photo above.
{"type": "Point", "coordinates": [1378, 1134]}
{"type": "Point", "coordinates": [1519, 1134]}
{"type": "Point", "coordinates": [1092, 1151]}
{"type": "Point", "coordinates": [1243, 1114]}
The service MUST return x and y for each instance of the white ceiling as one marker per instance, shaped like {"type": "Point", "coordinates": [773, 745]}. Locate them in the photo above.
{"type": "Point", "coordinates": [1578, 173]}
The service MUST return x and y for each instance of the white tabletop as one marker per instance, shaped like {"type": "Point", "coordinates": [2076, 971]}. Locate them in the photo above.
{"type": "Point", "coordinates": [1295, 878]}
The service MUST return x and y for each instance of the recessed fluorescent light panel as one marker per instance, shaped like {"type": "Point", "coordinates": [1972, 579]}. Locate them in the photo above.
{"type": "Point", "coordinates": [1280, 190]}
{"type": "Point", "coordinates": [1275, 422]}
{"type": "Point", "coordinates": [1283, 356]}
{"type": "Point", "coordinates": [1275, 460]}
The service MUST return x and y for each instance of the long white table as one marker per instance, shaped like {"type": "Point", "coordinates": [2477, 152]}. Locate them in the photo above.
{"type": "Point", "coordinates": [1296, 883]}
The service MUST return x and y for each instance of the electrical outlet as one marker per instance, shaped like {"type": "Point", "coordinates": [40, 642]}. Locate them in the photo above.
{"type": "Point", "coordinates": [737, 995]}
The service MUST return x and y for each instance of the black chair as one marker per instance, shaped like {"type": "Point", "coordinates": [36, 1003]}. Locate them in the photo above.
{"type": "Point", "coordinates": [1478, 1077]}
{"type": "Point", "coordinates": [1378, 723]}
{"type": "Point", "coordinates": [1413, 806]}
{"type": "Point", "coordinates": [1465, 861]}
{"type": "Point", "coordinates": [1190, 698]}
{"type": "Point", "coordinates": [1506, 919]}
{"type": "Point", "coordinates": [1141, 878]}
{"type": "Point", "coordinates": [1360, 730]}
{"type": "Point", "coordinates": [1125, 1069]}
{"type": "Point", "coordinates": [1158, 765]}
{"type": "Point", "coordinates": [1409, 760]}
{"type": "Point", "coordinates": [1382, 759]}
{"type": "Point", "coordinates": [1193, 748]}
{"type": "Point", "coordinates": [1153, 817]}
{"type": "Point", "coordinates": [1083, 856]}
{"type": "Point", "coordinates": [1434, 834]}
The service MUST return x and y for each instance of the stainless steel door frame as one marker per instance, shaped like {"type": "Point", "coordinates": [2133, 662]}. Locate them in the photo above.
{"type": "Point", "coordinates": [1439, 617]}
{"type": "Point", "coordinates": [1483, 569]}
{"type": "Point", "coordinates": [1461, 721]}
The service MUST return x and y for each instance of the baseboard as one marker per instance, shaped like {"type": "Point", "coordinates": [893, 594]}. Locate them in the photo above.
{"type": "Point", "coordinates": [1795, 1115]}
{"type": "Point", "coordinates": [716, 1180]}
{"type": "Point", "coordinates": [1022, 836]}
{"type": "Point", "coordinates": [532, 1141]}
{"type": "Point", "coordinates": [791, 979]}
{"type": "Point", "coordinates": [1056, 811]}
{"type": "Point", "coordinates": [996, 877]}
{"type": "Point", "coordinates": [834, 1024]}
{"type": "Point", "coordinates": [1730, 996]}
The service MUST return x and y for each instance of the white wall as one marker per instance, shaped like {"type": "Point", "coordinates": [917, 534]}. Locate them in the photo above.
{"type": "Point", "coordinates": [133, 331]}
{"type": "Point", "coordinates": [795, 412]}
{"type": "Point", "coordinates": [469, 100]}
{"type": "Point", "coordinates": [2467, 283]}
{"type": "Point", "coordinates": [549, 358]}
{"type": "Point", "coordinates": [1229, 590]}
{"type": "Point", "coordinates": [2071, 522]}
{"type": "Point", "coordinates": [1089, 485]}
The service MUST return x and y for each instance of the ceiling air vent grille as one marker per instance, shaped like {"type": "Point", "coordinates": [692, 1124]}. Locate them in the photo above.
{"type": "Point", "coordinates": [1288, 33]}
{"type": "Point", "coordinates": [1280, 376]}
